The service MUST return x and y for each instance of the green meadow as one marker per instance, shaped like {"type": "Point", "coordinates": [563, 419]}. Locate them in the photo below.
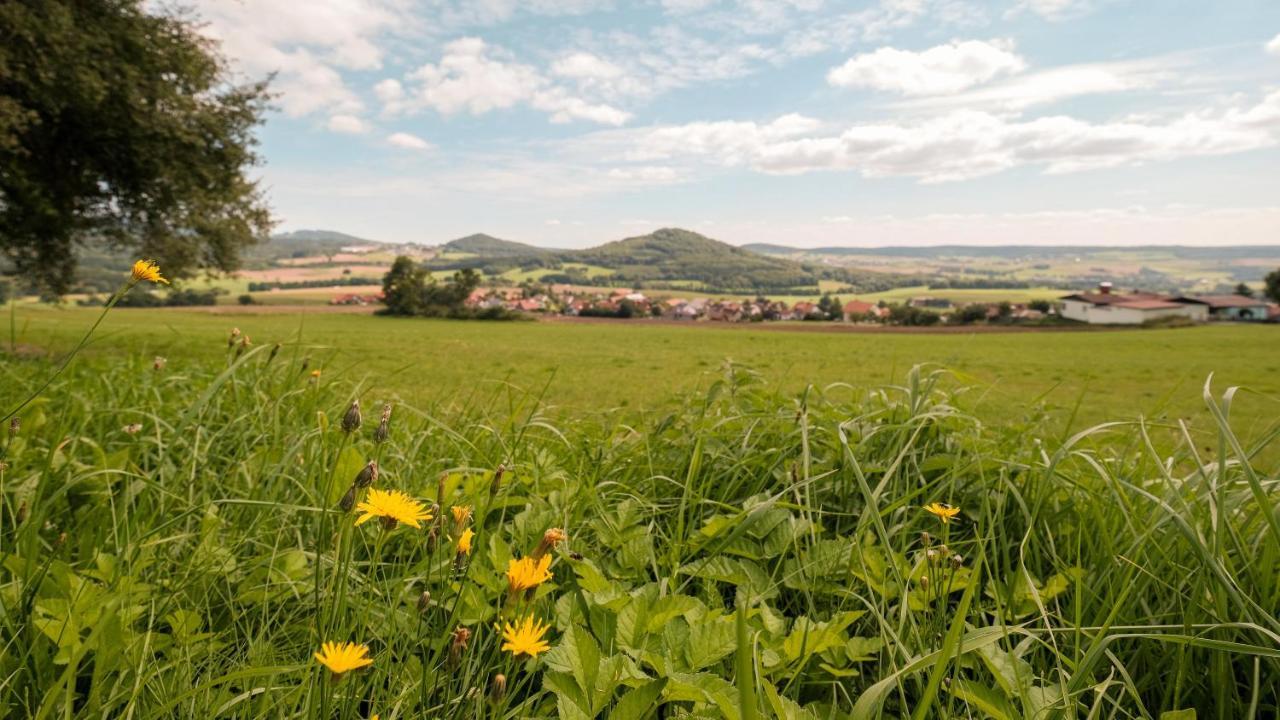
{"type": "Point", "coordinates": [628, 521]}
{"type": "Point", "coordinates": [1096, 375]}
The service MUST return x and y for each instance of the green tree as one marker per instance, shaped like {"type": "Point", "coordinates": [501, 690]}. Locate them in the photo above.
{"type": "Point", "coordinates": [403, 287]}
{"type": "Point", "coordinates": [122, 127]}
{"type": "Point", "coordinates": [1273, 285]}
{"type": "Point", "coordinates": [1244, 289]}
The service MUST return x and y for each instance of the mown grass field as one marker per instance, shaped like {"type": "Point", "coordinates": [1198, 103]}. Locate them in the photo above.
{"type": "Point", "coordinates": [179, 539]}
{"type": "Point", "coordinates": [588, 367]}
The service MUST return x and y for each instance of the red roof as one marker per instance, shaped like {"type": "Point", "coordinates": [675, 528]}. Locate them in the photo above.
{"type": "Point", "coordinates": [858, 306]}
{"type": "Point", "coordinates": [1148, 305]}
{"type": "Point", "coordinates": [1113, 298]}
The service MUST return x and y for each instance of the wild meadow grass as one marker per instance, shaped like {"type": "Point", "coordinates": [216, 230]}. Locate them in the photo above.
{"type": "Point", "coordinates": [180, 539]}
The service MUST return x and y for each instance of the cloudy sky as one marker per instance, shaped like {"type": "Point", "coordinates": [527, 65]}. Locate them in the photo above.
{"type": "Point", "coordinates": [804, 122]}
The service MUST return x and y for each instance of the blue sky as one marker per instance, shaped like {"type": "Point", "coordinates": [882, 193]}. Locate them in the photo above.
{"type": "Point", "coordinates": [802, 122]}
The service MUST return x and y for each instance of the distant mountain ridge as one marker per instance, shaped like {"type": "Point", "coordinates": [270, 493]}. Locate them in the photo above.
{"type": "Point", "coordinates": [490, 246]}
{"type": "Point", "coordinates": [931, 251]}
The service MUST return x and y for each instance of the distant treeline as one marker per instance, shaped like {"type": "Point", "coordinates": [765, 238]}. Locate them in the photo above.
{"type": "Point", "coordinates": [303, 284]}
{"type": "Point", "coordinates": [174, 298]}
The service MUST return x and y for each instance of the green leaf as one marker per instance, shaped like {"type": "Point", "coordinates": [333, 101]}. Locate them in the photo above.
{"type": "Point", "coordinates": [638, 702]}
{"type": "Point", "coordinates": [1188, 714]}
{"type": "Point", "coordinates": [986, 699]}
{"type": "Point", "coordinates": [709, 642]}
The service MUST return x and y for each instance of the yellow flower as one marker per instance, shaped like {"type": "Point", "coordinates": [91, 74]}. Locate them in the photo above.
{"type": "Point", "coordinates": [943, 511]}
{"type": "Point", "coordinates": [461, 514]}
{"type": "Point", "coordinates": [464, 541]}
{"type": "Point", "coordinates": [342, 658]}
{"type": "Point", "coordinates": [315, 373]}
{"type": "Point", "coordinates": [528, 573]}
{"type": "Point", "coordinates": [526, 638]}
{"type": "Point", "coordinates": [392, 506]}
{"type": "Point", "coordinates": [147, 270]}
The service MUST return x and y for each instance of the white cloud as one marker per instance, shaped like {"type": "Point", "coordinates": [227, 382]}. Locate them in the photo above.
{"type": "Point", "coordinates": [646, 174]}
{"type": "Point", "coordinates": [1273, 47]}
{"type": "Point", "coordinates": [477, 78]}
{"type": "Point", "coordinates": [584, 65]}
{"type": "Point", "coordinates": [349, 124]}
{"type": "Point", "coordinates": [964, 144]}
{"type": "Point", "coordinates": [305, 44]}
{"type": "Point", "coordinates": [1051, 9]}
{"type": "Point", "coordinates": [407, 141]}
{"type": "Point", "coordinates": [943, 69]}
{"type": "Point", "coordinates": [1055, 84]}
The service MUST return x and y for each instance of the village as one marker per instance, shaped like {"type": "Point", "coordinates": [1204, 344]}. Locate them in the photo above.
{"type": "Point", "coordinates": [1101, 306]}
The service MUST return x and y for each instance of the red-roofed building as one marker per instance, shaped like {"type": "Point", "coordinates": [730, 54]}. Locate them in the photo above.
{"type": "Point", "coordinates": [1111, 308]}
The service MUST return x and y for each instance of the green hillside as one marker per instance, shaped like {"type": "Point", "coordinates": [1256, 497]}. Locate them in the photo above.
{"type": "Point", "coordinates": [488, 246]}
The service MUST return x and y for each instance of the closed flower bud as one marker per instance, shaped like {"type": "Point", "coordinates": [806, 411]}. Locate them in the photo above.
{"type": "Point", "coordinates": [235, 335]}
{"type": "Point", "coordinates": [133, 428]}
{"type": "Point", "coordinates": [497, 479]}
{"type": "Point", "coordinates": [243, 345]}
{"type": "Point", "coordinates": [926, 539]}
{"type": "Point", "coordinates": [275, 350]}
{"type": "Point", "coordinates": [924, 582]}
{"type": "Point", "coordinates": [22, 514]}
{"type": "Point", "coordinates": [351, 421]}
{"type": "Point", "coordinates": [957, 561]}
{"type": "Point", "coordinates": [367, 476]}
{"type": "Point", "coordinates": [383, 431]}
{"type": "Point", "coordinates": [14, 426]}
{"type": "Point", "coordinates": [424, 601]}
{"type": "Point", "coordinates": [348, 500]}
{"type": "Point", "coordinates": [498, 688]}
{"type": "Point", "coordinates": [158, 364]}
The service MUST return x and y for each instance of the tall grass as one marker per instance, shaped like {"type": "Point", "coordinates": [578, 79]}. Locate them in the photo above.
{"type": "Point", "coordinates": [739, 554]}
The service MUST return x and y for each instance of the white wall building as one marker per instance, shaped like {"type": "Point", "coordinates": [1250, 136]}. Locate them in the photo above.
{"type": "Point", "coordinates": [1107, 308]}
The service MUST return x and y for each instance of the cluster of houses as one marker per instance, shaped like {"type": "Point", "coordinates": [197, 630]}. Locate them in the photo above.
{"type": "Point", "coordinates": [1104, 306]}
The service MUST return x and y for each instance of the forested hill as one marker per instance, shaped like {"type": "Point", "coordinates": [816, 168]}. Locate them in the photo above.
{"type": "Point", "coordinates": [670, 258]}
{"type": "Point", "coordinates": [489, 246]}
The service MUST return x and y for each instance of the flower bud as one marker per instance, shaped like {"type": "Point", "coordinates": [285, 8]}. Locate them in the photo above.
{"type": "Point", "coordinates": [14, 426]}
{"type": "Point", "coordinates": [21, 516]}
{"type": "Point", "coordinates": [550, 539]}
{"type": "Point", "coordinates": [367, 476]}
{"type": "Point", "coordinates": [498, 688]}
{"type": "Point", "coordinates": [383, 431]}
{"type": "Point", "coordinates": [132, 428]}
{"type": "Point", "coordinates": [424, 601]}
{"type": "Point", "coordinates": [158, 364]}
{"type": "Point", "coordinates": [348, 500]}
{"type": "Point", "coordinates": [351, 421]}
{"type": "Point", "coordinates": [235, 335]}
{"type": "Point", "coordinates": [497, 479]}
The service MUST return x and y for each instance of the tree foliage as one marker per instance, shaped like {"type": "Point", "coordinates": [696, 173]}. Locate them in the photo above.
{"type": "Point", "coordinates": [1273, 285]}
{"type": "Point", "coordinates": [122, 127]}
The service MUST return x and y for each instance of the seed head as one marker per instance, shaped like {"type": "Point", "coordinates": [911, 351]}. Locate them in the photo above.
{"type": "Point", "coordinates": [351, 421]}
{"type": "Point", "coordinates": [235, 335]}
{"type": "Point", "coordinates": [158, 364]}
{"type": "Point", "coordinates": [133, 428]}
{"type": "Point", "coordinates": [424, 601]}
{"type": "Point", "coordinates": [14, 426]}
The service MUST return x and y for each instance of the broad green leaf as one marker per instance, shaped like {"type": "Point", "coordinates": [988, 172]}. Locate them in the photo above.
{"type": "Point", "coordinates": [638, 703]}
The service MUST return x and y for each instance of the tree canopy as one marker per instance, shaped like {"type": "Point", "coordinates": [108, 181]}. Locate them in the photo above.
{"type": "Point", "coordinates": [123, 128]}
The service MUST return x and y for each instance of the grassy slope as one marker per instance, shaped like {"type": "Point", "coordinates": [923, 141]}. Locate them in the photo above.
{"type": "Point", "coordinates": [598, 366]}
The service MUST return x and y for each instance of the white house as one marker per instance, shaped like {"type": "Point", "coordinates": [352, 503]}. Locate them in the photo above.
{"type": "Point", "coordinates": [1107, 308]}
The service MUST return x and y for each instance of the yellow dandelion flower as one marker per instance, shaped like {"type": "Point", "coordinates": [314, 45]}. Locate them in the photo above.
{"type": "Point", "coordinates": [342, 658]}
{"type": "Point", "coordinates": [146, 270]}
{"type": "Point", "coordinates": [461, 514]}
{"type": "Point", "coordinates": [943, 511]}
{"type": "Point", "coordinates": [315, 373]}
{"type": "Point", "coordinates": [464, 541]}
{"type": "Point", "coordinates": [525, 638]}
{"type": "Point", "coordinates": [393, 507]}
{"type": "Point", "coordinates": [528, 573]}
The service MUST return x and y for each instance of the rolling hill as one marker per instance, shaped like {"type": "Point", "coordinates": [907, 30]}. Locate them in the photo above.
{"type": "Point", "coordinates": [488, 246]}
